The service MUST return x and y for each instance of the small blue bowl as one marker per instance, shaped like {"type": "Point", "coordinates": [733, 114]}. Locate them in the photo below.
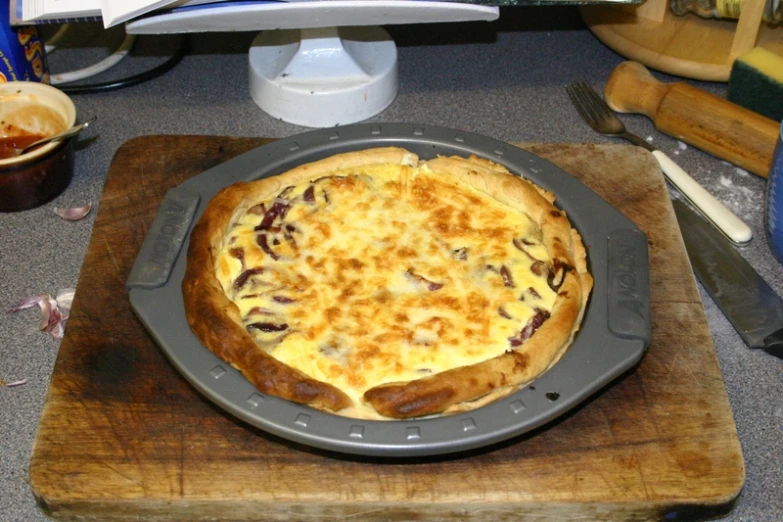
{"type": "Point", "coordinates": [774, 209]}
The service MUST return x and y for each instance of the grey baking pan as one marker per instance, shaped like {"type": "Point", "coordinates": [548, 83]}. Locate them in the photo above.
{"type": "Point", "coordinates": [613, 337]}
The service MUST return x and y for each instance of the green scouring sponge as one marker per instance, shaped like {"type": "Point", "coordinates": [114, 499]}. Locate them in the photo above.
{"type": "Point", "coordinates": [756, 82]}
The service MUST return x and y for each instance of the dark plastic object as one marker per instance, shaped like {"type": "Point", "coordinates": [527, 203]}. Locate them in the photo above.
{"type": "Point", "coordinates": [613, 338]}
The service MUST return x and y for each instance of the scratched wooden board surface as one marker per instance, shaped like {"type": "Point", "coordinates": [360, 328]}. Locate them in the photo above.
{"type": "Point", "coordinates": [124, 437]}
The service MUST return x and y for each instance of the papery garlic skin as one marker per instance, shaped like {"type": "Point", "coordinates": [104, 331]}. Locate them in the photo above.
{"type": "Point", "coordinates": [54, 311]}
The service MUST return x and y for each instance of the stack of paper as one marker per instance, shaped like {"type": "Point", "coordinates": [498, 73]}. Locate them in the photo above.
{"type": "Point", "coordinates": [112, 12]}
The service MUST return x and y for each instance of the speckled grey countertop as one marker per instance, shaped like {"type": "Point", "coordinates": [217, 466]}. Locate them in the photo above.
{"type": "Point", "coordinates": [504, 79]}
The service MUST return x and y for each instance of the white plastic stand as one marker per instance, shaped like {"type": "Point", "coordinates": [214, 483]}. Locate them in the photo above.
{"type": "Point", "coordinates": [317, 63]}
{"type": "Point", "coordinates": [325, 76]}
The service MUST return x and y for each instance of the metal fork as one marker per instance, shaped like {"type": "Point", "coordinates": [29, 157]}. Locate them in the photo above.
{"type": "Point", "coordinates": [603, 119]}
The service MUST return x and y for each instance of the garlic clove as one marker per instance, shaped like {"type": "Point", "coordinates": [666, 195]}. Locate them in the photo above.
{"type": "Point", "coordinates": [73, 214]}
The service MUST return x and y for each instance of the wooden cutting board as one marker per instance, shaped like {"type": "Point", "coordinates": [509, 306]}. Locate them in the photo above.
{"type": "Point", "coordinates": [124, 437]}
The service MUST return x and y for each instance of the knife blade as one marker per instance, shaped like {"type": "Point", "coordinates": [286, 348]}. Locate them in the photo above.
{"type": "Point", "coordinates": [744, 297]}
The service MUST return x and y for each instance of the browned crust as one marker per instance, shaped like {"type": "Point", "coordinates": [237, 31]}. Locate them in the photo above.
{"type": "Point", "coordinates": [216, 322]}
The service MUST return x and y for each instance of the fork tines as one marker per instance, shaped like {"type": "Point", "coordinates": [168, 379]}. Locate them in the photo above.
{"type": "Point", "coordinates": [588, 102]}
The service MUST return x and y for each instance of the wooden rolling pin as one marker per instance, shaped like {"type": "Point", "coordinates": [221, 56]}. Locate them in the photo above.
{"type": "Point", "coordinates": [695, 116]}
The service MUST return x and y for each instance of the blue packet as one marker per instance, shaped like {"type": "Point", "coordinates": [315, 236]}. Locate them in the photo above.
{"type": "Point", "coordinates": [22, 51]}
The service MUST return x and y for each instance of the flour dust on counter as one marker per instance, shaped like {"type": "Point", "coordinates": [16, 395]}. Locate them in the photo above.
{"type": "Point", "coordinates": [735, 187]}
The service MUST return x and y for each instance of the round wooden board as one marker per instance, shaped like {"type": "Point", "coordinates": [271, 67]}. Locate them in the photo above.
{"type": "Point", "coordinates": [686, 46]}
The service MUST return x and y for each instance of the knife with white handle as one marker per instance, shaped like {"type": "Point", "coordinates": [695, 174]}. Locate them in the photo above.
{"type": "Point", "coordinates": [709, 206]}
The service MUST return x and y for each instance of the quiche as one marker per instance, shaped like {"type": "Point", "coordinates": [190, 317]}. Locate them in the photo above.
{"type": "Point", "coordinates": [376, 285]}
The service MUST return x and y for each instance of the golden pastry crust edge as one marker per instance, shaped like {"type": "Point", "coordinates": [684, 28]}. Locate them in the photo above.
{"type": "Point", "coordinates": [216, 321]}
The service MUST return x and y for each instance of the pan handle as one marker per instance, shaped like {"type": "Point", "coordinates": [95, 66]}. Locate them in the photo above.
{"type": "Point", "coordinates": [164, 239]}
{"type": "Point", "coordinates": [628, 291]}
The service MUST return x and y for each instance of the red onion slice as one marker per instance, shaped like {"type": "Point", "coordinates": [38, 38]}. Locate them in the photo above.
{"type": "Point", "coordinates": [258, 310]}
{"type": "Point", "coordinates": [240, 281]}
{"type": "Point", "coordinates": [238, 253]}
{"type": "Point", "coordinates": [530, 328]}
{"type": "Point", "coordinates": [264, 244]}
{"type": "Point", "coordinates": [522, 244]}
{"type": "Point", "coordinates": [505, 274]}
{"type": "Point", "coordinates": [557, 274]}
{"type": "Point", "coordinates": [278, 209]}
{"type": "Point", "coordinates": [309, 195]}
{"type": "Point", "coordinates": [531, 292]}
{"type": "Point", "coordinates": [268, 327]}
{"type": "Point", "coordinates": [431, 285]}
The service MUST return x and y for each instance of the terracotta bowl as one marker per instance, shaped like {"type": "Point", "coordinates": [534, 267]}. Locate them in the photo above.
{"type": "Point", "coordinates": [38, 176]}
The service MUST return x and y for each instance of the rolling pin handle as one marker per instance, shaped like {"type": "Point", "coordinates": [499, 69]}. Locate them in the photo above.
{"type": "Point", "coordinates": [695, 116]}
{"type": "Point", "coordinates": [632, 88]}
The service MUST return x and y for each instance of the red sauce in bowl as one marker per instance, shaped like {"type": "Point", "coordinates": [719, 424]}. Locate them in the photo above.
{"type": "Point", "coordinates": [10, 144]}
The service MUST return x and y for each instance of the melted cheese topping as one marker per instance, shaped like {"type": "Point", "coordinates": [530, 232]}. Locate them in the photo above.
{"type": "Point", "coordinates": [383, 274]}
